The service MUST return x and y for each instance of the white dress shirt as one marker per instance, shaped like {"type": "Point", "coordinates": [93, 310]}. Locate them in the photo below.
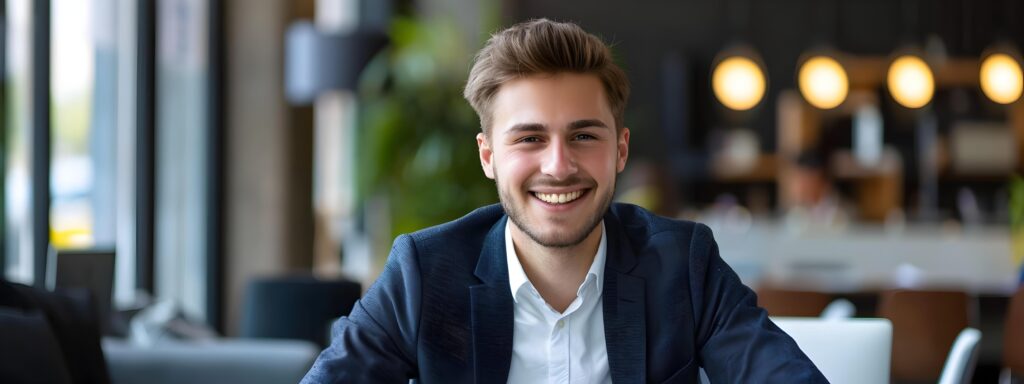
{"type": "Point", "coordinates": [553, 347]}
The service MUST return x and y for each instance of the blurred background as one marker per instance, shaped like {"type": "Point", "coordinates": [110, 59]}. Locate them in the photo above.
{"type": "Point", "coordinates": [239, 168]}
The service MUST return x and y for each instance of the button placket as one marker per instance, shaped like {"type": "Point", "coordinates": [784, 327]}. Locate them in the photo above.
{"type": "Point", "coordinates": [558, 371]}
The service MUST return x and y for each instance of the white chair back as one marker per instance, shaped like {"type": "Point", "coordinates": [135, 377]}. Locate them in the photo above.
{"type": "Point", "coordinates": [962, 358]}
{"type": "Point", "coordinates": [838, 309]}
{"type": "Point", "coordinates": [846, 351]}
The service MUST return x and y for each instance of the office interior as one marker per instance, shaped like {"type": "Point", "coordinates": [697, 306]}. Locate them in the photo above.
{"type": "Point", "coordinates": [227, 176]}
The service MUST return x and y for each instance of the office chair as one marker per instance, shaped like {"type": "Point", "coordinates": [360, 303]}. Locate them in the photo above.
{"type": "Point", "coordinates": [963, 357]}
{"type": "Point", "coordinates": [1013, 341]}
{"type": "Point", "coordinates": [792, 303]}
{"type": "Point", "coordinates": [925, 324]}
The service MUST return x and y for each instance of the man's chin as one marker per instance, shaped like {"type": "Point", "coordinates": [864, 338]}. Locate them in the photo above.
{"type": "Point", "coordinates": [558, 236]}
{"type": "Point", "coordinates": [554, 229]}
{"type": "Point", "coordinates": [558, 241]}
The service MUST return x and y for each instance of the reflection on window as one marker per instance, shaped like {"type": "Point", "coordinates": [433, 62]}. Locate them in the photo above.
{"type": "Point", "coordinates": [18, 113]}
{"type": "Point", "coordinates": [181, 163]}
{"type": "Point", "coordinates": [83, 93]}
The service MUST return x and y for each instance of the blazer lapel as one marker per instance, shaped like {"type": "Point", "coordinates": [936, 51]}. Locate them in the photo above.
{"type": "Point", "coordinates": [491, 311]}
{"type": "Point", "coordinates": [624, 310]}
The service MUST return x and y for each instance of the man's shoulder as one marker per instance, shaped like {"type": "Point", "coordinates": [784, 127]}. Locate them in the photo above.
{"type": "Point", "coordinates": [447, 254]}
{"type": "Point", "coordinates": [462, 236]}
{"type": "Point", "coordinates": [639, 223]}
{"type": "Point", "coordinates": [475, 224]}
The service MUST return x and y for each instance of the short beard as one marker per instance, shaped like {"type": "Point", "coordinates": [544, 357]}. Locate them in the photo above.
{"type": "Point", "coordinates": [574, 239]}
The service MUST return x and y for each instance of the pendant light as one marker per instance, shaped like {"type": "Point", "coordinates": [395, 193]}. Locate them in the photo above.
{"type": "Point", "coordinates": [738, 78]}
{"type": "Point", "coordinates": [910, 81]}
{"type": "Point", "coordinates": [821, 78]}
{"type": "Point", "coordinates": [823, 81]}
{"type": "Point", "coordinates": [1000, 76]}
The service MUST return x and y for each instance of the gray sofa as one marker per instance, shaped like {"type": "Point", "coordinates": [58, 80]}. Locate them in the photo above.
{"type": "Point", "coordinates": [53, 338]}
{"type": "Point", "coordinates": [222, 361]}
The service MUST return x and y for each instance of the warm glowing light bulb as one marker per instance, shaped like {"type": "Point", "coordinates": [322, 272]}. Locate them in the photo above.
{"type": "Point", "coordinates": [823, 82]}
{"type": "Point", "coordinates": [1001, 78]}
{"type": "Point", "coordinates": [738, 83]}
{"type": "Point", "coordinates": [911, 82]}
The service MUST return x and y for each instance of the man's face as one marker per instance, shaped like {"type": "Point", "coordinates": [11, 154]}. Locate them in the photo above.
{"type": "Point", "coordinates": [553, 152]}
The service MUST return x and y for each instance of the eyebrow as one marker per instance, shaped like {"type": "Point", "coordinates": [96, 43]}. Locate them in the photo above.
{"type": "Point", "coordinates": [537, 127]}
{"type": "Point", "coordinates": [525, 127]}
{"type": "Point", "coordinates": [586, 123]}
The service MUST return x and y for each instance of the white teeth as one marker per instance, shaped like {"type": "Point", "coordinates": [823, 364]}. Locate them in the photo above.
{"type": "Point", "coordinates": [558, 198]}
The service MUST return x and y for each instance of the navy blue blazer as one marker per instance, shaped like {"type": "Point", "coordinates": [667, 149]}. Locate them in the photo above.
{"type": "Point", "coordinates": [442, 311]}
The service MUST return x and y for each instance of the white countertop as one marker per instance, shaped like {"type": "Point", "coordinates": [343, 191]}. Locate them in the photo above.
{"type": "Point", "coordinates": [865, 258]}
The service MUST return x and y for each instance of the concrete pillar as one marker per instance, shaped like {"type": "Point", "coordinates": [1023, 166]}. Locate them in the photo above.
{"type": "Point", "coordinates": [269, 161]}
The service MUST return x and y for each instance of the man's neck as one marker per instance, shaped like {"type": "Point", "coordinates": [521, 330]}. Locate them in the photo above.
{"type": "Point", "coordinates": [556, 273]}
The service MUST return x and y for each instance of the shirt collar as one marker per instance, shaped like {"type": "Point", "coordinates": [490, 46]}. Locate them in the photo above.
{"type": "Point", "coordinates": [517, 276]}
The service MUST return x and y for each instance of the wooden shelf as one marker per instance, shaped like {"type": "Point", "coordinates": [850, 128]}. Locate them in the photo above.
{"type": "Point", "coordinates": [764, 169]}
{"type": "Point", "coordinates": [845, 166]}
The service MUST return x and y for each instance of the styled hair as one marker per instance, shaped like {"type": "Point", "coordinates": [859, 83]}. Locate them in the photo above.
{"type": "Point", "coordinates": [542, 46]}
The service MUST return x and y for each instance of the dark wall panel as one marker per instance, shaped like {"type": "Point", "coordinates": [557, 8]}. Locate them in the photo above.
{"type": "Point", "coordinates": [645, 33]}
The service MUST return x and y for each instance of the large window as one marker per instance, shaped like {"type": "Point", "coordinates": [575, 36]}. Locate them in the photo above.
{"type": "Point", "coordinates": [83, 151]}
{"type": "Point", "coordinates": [83, 82]}
{"type": "Point", "coordinates": [131, 142]}
{"type": "Point", "coordinates": [18, 115]}
{"type": "Point", "coordinates": [182, 165]}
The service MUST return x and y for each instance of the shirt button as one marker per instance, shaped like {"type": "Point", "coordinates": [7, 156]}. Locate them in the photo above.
{"type": "Point", "coordinates": [561, 324]}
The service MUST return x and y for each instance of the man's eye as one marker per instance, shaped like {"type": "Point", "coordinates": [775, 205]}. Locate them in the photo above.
{"type": "Point", "coordinates": [530, 139]}
{"type": "Point", "coordinates": [584, 136]}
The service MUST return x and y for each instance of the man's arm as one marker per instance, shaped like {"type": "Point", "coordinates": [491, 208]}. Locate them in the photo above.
{"type": "Point", "coordinates": [376, 342]}
{"type": "Point", "coordinates": [736, 340]}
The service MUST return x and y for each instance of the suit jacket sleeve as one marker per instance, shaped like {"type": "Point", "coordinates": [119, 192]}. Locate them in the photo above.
{"type": "Point", "coordinates": [376, 342]}
{"type": "Point", "coordinates": [736, 340]}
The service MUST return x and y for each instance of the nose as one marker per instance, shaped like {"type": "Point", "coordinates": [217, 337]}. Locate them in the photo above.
{"type": "Point", "coordinates": [559, 162]}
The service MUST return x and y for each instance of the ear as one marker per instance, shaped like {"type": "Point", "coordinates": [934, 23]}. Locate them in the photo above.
{"type": "Point", "coordinates": [623, 146]}
{"type": "Point", "coordinates": [486, 154]}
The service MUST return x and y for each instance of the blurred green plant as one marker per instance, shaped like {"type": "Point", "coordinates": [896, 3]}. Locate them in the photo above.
{"type": "Point", "coordinates": [1016, 202]}
{"type": "Point", "coordinates": [1017, 222]}
{"type": "Point", "coordinates": [416, 136]}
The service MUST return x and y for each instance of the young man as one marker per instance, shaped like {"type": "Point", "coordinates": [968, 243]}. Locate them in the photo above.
{"type": "Point", "coordinates": [557, 284]}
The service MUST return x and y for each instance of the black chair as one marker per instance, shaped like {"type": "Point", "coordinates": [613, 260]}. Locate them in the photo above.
{"type": "Point", "coordinates": [296, 307]}
{"type": "Point", "coordinates": [29, 352]}
{"type": "Point", "coordinates": [49, 337]}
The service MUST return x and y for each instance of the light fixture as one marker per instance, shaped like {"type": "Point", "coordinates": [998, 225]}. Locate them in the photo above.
{"type": "Point", "coordinates": [738, 82]}
{"type": "Point", "coordinates": [823, 82]}
{"type": "Point", "coordinates": [910, 81]}
{"type": "Point", "coordinates": [1001, 78]}
{"type": "Point", "coordinates": [316, 61]}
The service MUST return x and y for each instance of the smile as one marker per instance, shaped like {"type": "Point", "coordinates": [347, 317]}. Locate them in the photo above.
{"type": "Point", "coordinates": [559, 198]}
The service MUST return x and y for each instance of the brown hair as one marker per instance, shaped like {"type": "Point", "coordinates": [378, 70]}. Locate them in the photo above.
{"type": "Point", "coordinates": [542, 46]}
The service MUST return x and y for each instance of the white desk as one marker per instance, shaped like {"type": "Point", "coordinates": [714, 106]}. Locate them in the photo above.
{"type": "Point", "coordinates": [978, 261]}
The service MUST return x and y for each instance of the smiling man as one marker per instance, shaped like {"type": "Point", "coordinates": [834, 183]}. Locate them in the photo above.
{"type": "Point", "coordinates": [557, 284]}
